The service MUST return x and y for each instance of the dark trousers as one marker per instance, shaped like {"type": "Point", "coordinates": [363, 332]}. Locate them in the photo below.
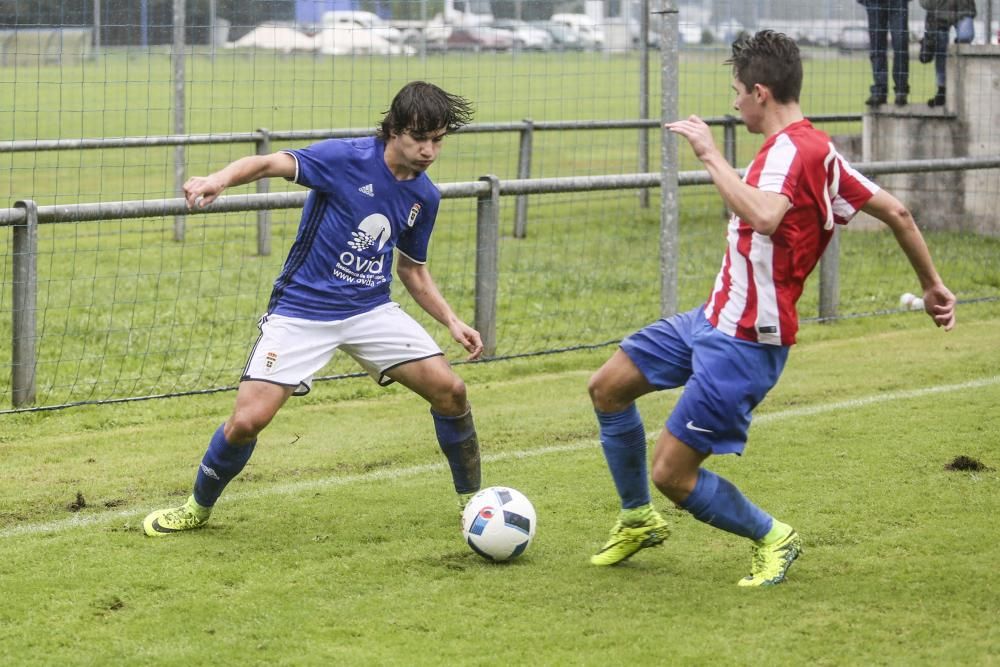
{"type": "Point", "coordinates": [888, 19]}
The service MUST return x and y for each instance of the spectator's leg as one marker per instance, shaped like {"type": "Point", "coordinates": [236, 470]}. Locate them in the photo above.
{"type": "Point", "coordinates": [940, 58]}
{"type": "Point", "coordinates": [878, 38]}
{"type": "Point", "coordinates": [900, 32]}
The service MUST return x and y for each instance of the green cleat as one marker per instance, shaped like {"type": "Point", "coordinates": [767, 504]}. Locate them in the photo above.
{"type": "Point", "coordinates": [463, 500]}
{"type": "Point", "coordinates": [187, 516]}
{"type": "Point", "coordinates": [771, 561]}
{"type": "Point", "coordinates": [626, 539]}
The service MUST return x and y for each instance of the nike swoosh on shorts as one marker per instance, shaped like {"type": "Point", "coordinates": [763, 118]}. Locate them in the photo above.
{"type": "Point", "coordinates": [691, 427]}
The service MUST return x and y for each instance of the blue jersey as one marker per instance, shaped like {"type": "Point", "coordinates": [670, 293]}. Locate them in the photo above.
{"type": "Point", "coordinates": [341, 262]}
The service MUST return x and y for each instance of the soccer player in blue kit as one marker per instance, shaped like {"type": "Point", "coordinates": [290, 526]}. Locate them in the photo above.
{"type": "Point", "coordinates": [368, 197]}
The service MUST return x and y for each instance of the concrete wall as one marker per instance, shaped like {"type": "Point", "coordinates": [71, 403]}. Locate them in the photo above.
{"type": "Point", "coordinates": [967, 126]}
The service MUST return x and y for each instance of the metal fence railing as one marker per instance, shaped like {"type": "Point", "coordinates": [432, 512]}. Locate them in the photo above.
{"type": "Point", "coordinates": [262, 139]}
{"type": "Point", "coordinates": [25, 217]}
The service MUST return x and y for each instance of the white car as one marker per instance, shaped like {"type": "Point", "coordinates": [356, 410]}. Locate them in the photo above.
{"type": "Point", "coordinates": [336, 40]}
{"type": "Point", "coordinates": [283, 37]}
{"type": "Point", "coordinates": [526, 36]}
{"type": "Point", "coordinates": [367, 21]}
{"type": "Point", "coordinates": [589, 30]}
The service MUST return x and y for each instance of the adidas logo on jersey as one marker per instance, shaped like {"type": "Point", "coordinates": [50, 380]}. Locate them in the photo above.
{"type": "Point", "coordinates": [367, 190]}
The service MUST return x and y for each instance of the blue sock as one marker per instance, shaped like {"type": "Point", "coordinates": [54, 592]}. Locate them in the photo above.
{"type": "Point", "coordinates": [623, 438]}
{"type": "Point", "coordinates": [457, 439]}
{"type": "Point", "coordinates": [718, 503]}
{"type": "Point", "coordinates": [221, 463]}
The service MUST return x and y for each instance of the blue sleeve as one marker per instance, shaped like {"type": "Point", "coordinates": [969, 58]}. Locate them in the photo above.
{"type": "Point", "coordinates": [315, 164]}
{"type": "Point", "coordinates": [414, 241]}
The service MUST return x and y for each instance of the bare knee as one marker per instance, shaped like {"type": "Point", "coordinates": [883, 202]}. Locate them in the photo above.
{"type": "Point", "coordinates": [675, 467]}
{"type": "Point", "coordinates": [450, 397]}
{"type": "Point", "coordinates": [244, 425]}
{"type": "Point", "coordinates": [617, 384]}
{"type": "Point", "coordinates": [668, 481]}
{"type": "Point", "coordinates": [602, 396]}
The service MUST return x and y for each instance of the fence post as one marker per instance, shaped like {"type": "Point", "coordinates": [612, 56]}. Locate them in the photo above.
{"type": "Point", "coordinates": [729, 149]}
{"type": "Point", "coordinates": [488, 264]}
{"type": "Point", "coordinates": [669, 161]}
{"type": "Point", "coordinates": [25, 286]}
{"type": "Point", "coordinates": [829, 279]}
{"type": "Point", "coordinates": [263, 187]}
{"type": "Point", "coordinates": [180, 109]}
{"type": "Point", "coordinates": [523, 171]}
{"type": "Point", "coordinates": [644, 98]}
{"type": "Point", "coordinates": [729, 139]}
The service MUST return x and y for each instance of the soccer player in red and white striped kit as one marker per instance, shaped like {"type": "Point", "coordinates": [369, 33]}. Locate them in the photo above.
{"type": "Point", "coordinates": [729, 352]}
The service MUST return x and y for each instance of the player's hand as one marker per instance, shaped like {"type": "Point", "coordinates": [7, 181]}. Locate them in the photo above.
{"type": "Point", "coordinates": [200, 191]}
{"type": "Point", "coordinates": [469, 338]}
{"type": "Point", "coordinates": [939, 303]}
{"type": "Point", "coordinates": [698, 134]}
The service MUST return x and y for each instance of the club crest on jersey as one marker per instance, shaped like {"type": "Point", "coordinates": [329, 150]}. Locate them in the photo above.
{"type": "Point", "coordinates": [270, 361]}
{"type": "Point", "coordinates": [414, 212]}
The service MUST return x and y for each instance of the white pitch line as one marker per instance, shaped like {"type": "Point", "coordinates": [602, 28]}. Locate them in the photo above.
{"type": "Point", "coordinates": [78, 521]}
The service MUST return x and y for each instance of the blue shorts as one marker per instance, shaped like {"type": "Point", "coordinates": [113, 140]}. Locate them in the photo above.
{"type": "Point", "coordinates": [724, 378]}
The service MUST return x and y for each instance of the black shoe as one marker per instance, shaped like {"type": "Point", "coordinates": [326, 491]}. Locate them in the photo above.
{"type": "Point", "coordinates": [937, 100]}
{"type": "Point", "coordinates": [900, 99]}
{"type": "Point", "coordinates": [927, 48]}
{"type": "Point", "coordinates": [875, 100]}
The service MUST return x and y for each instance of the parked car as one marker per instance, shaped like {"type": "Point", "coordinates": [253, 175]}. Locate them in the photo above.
{"type": "Point", "coordinates": [480, 38]}
{"type": "Point", "coordinates": [338, 39]}
{"type": "Point", "coordinates": [589, 30]}
{"type": "Point", "coordinates": [358, 20]}
{"type": "Point", "coordinates": [276, 36]}
{"type": "Point", "coordinates": [853, 38]}
{"type": "Point", "coordinates": [563, 38]}
{"type": "Point", "coordinates": [526, 36]}
{"type": "Point", "coordinates": [433, 36]}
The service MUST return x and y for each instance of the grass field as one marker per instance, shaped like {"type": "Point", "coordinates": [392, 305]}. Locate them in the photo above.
{"type": "Point", "coordinates": [339, 543]}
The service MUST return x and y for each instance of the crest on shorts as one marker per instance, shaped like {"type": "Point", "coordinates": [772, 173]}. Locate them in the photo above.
{"type": "Point", "coordinates": [270, 361]}
{"type": "Point", "coordinates": [414, 212]}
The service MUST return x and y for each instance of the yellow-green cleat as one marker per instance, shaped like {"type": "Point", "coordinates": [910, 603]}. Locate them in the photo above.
{"type": "Point", "coordinates": [187, 516]}
{"type": "Point", "coordinates": [463, 500]}
{"type": "Point", "coordinates": [628, 537]}
{"type": "Point", "coordinates": [770, 562]}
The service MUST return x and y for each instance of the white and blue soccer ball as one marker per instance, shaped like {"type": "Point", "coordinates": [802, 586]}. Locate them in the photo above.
{"type": "Point", "coordinates": [499, 523]}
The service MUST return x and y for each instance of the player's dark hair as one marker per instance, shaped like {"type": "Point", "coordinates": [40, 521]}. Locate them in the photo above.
{"type": "Point", "coordinates": [771, 59]}
{"type": "Point", "coordinates": [423, 108]}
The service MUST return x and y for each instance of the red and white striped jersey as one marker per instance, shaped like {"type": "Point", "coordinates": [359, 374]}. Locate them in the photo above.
{"type": "Point", "coordinates": [762, 276]}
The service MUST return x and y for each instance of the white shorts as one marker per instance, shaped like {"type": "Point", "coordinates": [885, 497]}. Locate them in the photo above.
{"type": "Point", "coordinates": [291, 350]}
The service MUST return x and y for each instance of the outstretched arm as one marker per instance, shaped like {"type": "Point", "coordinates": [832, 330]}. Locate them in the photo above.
{"type": "Point", "coordinates": [199, 191]}
{"type": "Point", "coordinates": [418, 282]}
{"type": "Point", "coordinates": [939, 302]}
{"type": "Point", "coordinates": [763, 211]}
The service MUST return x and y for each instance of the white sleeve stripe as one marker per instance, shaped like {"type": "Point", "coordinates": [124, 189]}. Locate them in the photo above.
{"type": "Point", "coordinates": [415, 261]}
{"type": "Point", "coordinates": [857, 175]}
{"type": "Point", "coordinates": [296, 178]}
{"type": "Point", "coordinates": [776, 165]}
{"type": "Point", "coordinates": [767, 315]}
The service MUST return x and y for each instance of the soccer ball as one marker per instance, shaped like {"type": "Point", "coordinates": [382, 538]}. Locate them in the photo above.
{"type": "Point", "coordinates": [498, 523]}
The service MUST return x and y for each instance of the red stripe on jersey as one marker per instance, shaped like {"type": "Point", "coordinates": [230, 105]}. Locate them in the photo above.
{"type": "Point", "coordinates": [762, 277]}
